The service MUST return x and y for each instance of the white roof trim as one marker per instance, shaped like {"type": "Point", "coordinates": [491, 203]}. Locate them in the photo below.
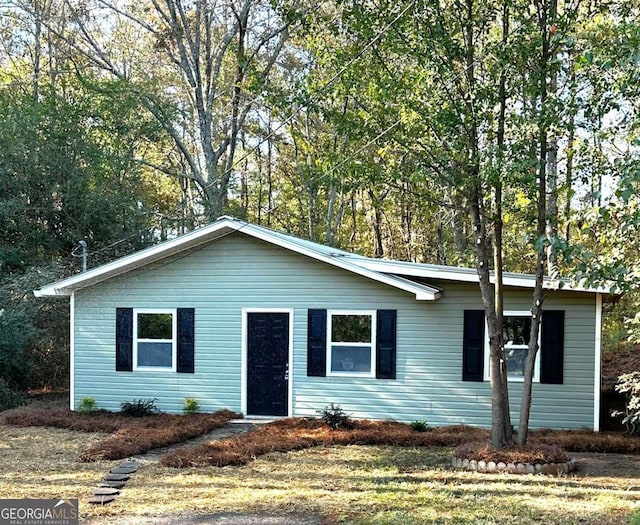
{"type": "Point", "coordinates": [469, 275]}
{"type": "Point", "coordinates": [220, 228]}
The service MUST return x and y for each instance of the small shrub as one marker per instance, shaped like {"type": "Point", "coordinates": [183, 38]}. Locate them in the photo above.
{"type": "Point", "coordinates": [629, 384]}
{"type": "Point", "coordinates": [335, 417]}
{"type": "Point", "coordinates": [634, 519]}
{"type": "Point", "coordinates": [419, 426]}
{"type": "Point", "coordinates": [9, 398]}
{"type": "Point", "coordinates": [191, 406]}
{"type": "Point", "coordinates": [139, 407]}
{"type": "Point", "coordinates": [87, 404]}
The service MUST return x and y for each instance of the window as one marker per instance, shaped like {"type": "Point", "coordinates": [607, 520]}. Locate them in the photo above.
{"type": "Point", "coordinates": [351, 343]}
{"type": "Point", "coordinates": [515, 332]}
{"type": "Point", "coordinates": [154, 339]}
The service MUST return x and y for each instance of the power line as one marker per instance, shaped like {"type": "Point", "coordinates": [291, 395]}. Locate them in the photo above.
{"type": "Point", "coordinates": [322, 88]}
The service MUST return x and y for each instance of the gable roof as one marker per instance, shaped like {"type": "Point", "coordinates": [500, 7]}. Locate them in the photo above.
{"type": "Point", "coordinates": [397, 274]}
{"type": "Point", "coordinates": [218, 229]}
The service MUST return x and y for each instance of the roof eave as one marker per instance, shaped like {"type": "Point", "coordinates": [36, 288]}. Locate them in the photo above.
{"type": "Point", "coordinates": [468, 275]}
{"type": "Point", "coordinates": [422, 292]}
{"type": "Point", "coordinates": [66, 287]}
{"type": "Point", "coordinates": [217, 230]}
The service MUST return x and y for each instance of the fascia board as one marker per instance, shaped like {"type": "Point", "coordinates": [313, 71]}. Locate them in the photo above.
{"type": "Point", "coordinates": [217, 230]}
{"type": "Point", "coordinates": [465, 275]}
{"type": "Point", "coordinates": [65, 287]}
{"type": "Point", "coordinates": [422, 292]}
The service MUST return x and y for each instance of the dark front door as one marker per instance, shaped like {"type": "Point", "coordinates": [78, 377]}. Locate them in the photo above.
{"type": "Point", "coordinates": [267, 363]}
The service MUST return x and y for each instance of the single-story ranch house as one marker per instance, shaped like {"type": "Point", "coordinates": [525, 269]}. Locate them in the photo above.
{"type": "Point", "coordinates": [242, 317]}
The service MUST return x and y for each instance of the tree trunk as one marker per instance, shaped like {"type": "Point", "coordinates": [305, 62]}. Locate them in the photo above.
{"type": "Point", "coordinates": [549, 56]}
{"type": "Point", "coordinates": [498, 226]}
{"type": "Point", "coordinates": [545, 10]}
{"type": "Point", "coordinates": [500, 416]}
{"type": "Point", "coordinates": [377, 225]}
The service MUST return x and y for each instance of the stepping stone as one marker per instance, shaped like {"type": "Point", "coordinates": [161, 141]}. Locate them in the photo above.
{"type": "Point", "coordinates": [113, 484]}
{"type": "Point", "coordinates": [101, 500]}
{"type": "Point", "coordinates": [129, 464]}
{"type": "Point", "coordinates": [106, 491]}
{"type": "Point", "coordinates": [123, 470]}
{"type": "Point", "coordinates": [116, 477]}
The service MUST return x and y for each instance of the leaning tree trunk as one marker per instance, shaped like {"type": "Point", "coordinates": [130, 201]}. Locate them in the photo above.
{"type": "Point", "coordinates": [501, 432]}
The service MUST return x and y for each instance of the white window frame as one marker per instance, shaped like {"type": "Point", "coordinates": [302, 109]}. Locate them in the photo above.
{"type": "Point", "coordinates": [372, 344]}
{"type": "Point", "coordinates": [487, 361]}
{"type": "Point", "coordinates": [174, 339]}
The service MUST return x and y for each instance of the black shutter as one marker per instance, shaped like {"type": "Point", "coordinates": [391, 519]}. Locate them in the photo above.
{"type": "Point", "coordinates": [386, 344]}
{"type": "Point", "coordinates": [552, 347]}
{"type": "Point", "coordinates": [124, 339]}
{"type": "Point", "coordinates": [186, 329]}
{"type": "Point", "coordinates": [473, 346]}
{"type": "Point", "coordinates": [317, 343]}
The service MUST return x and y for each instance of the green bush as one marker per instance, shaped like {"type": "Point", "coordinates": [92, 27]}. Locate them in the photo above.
{"type": "Point", "coordinates": [629, 384]}
{"type": "Point", "coordinates": [139, 407]}
{"type": "Point", "coordinates": [335, 417]}
{"type": "Point", "coordinates": [420, 426]}
{"type": "Point", "coordinates": [191, 406]}
{"type": "Point", "coordinates": [634, 519]}
{"type": "Point", "coordinates": [87, 404]}
{"type": "Point", "coordinates": [9, 398]}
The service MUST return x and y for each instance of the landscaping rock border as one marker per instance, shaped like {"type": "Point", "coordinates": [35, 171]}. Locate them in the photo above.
{"type": "Point", "coordinates": [554, 469]}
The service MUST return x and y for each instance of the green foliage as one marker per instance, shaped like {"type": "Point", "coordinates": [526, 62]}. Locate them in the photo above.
{"type": "Point", "coordinates": [335, 417]}
{"type": "Point", "coordinates": [66, 160]}
{"type": "Point", "coordinates": [87, 404]}
{"type": "Point", "coordinates": [139, 407]}
{"type": "Point", "coordinates": [629, 384]}
{"type": "Point", "coordinates": [191, 406]}
{"type": "Point", "coordinates": [9, 398]}
{"type": "Point", "coordinates": [15, 332]}
{"type": "Point", "coordinates": [34, 333]}
{"type": "Point", "coordinates": [420, 426]}
{"type": "Point", "coordinates": [634, 519]}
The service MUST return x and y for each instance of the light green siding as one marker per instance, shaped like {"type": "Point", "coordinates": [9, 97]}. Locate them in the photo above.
{"type": "Point", "coordinates": [238, 271]}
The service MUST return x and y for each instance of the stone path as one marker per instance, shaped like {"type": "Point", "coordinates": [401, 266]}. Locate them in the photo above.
{"type": "Point", "coordinates": [117, 477]}
{"type": "Point", "coordinates": [113, 482]}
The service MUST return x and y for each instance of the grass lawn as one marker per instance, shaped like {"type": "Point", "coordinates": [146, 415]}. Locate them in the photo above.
{"type": "Point", "coordinates": [350, 484]}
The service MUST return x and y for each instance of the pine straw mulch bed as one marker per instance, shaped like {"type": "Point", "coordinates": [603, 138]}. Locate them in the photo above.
{"type": "Point", "coordinates": [130, 435]}
{"type": "Point", "coordinates": [296, 434]}
{"type": "Point", "coordinates": [291, 434]}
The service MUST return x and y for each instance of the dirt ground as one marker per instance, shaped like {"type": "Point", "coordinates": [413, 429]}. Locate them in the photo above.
{"type": "Point", "coordinates": [607, 465]}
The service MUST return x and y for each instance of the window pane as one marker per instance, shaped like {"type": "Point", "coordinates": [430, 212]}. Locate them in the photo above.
{"type": "Point", "coordinates": [155, 326]}
{"type": "Point", "coordinates": [155, 354]}
{"type": "Point", "coordinates": [517, 330]}
{"type": "Point", "coordinates": [515, 361]}
{"type": "Point", "coordinates": [350, 328]}
{"type": "Point", "coordinates": [351, 359]}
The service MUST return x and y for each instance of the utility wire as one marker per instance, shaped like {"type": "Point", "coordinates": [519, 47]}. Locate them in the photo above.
{"type": "Point", "coordinates": [322, 88]}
